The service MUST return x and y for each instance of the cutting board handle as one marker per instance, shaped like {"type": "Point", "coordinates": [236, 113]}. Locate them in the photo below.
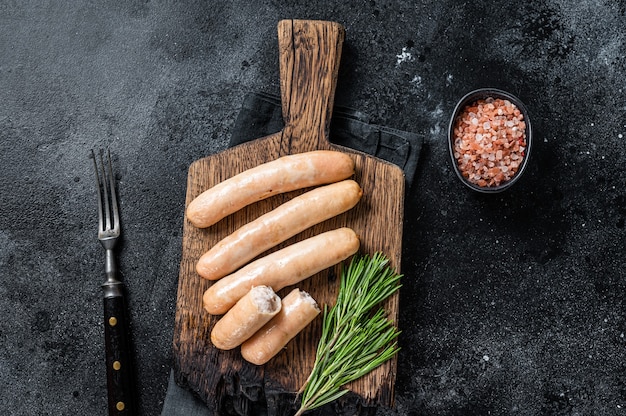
{"type": "Point", "coordinates": [310, 52]}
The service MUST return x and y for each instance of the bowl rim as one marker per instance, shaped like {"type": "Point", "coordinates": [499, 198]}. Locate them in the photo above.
{"type": "Point", "coordinates": [473, 96]}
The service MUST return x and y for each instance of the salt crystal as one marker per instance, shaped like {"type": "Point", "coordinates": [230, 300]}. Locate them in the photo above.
{"type": "Point", "coordinates": [404, 57]}
{"type": "Point", "coordinates": [487, 141]}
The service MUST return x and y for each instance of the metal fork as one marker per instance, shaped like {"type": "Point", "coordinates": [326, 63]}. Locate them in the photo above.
{"type": "Point", "coordinates": [117, 346]}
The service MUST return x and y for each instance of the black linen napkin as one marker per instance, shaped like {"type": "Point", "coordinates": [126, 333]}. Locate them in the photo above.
{"type": "Point", "coordinates": [261, 115]}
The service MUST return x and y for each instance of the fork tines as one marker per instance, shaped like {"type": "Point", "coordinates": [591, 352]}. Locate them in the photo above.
{"type": "Point", "coordinates": [108, 215]}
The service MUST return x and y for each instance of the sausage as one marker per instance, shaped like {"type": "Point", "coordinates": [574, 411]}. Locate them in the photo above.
{"type": "Point", "coordinates": [282, 268]}
{"type": "Point", "coordinates": [276, 226]}
{"type": "Point", "coordinates": [284, 174]}
{"type": "Point", "coordinates": [297, 311]}
{"type": "Point", "coordinates": [249, 315]}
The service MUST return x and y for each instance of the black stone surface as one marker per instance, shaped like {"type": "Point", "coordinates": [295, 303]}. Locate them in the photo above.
{"type": "Point", "coordinates": [512, 304]}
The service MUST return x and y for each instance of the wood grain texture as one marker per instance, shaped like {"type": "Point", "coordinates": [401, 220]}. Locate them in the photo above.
{"type": "Point", "coordinates": [309, 60]}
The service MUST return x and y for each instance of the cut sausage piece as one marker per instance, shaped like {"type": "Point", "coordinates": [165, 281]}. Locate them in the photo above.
{"type": "Point", "coordinates": [276, 226]}
{"type": "Point", "coordinates": [284, 174]}
{"type": "Point", "coordinates": [297, 311]}
{"type": "Point", "coordinates": [249, 315]}
{"type": "Point", "coordinates": [282, 268]}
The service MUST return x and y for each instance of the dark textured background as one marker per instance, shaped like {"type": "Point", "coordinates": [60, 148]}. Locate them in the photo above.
{"type": "Point", "coordinates": [511, 305]}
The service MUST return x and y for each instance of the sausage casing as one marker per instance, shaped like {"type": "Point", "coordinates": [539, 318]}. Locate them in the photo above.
{"type": "Point", "coordinates": [276, 226]}
{"type": "Point", "coordinates": [250, 313]}
{"type": "Point", "coordinates": [282, 268]}
{"type": "Point", "coordinates": [297, 311]}
{"type": "Point", "coordinates": [284, 174]}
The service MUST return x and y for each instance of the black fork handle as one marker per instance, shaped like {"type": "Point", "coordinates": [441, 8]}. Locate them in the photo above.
{"type": "Point", "coordinates": [118, 357]}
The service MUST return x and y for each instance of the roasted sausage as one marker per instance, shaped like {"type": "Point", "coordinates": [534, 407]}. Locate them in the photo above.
{"type": "Point", "coordinates": [277, 226]}
{"type": "Point", "coordinates": [282, 268]}
{"type": "Point", "coordinates": [284, 174]}
{"type": "Point", "coordinates": [252, 311]}
{"type": "Point", "coordinates": [297, 311]}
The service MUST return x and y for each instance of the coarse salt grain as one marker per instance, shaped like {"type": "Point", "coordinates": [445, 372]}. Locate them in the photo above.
{"type": "Point", "coordinates": [487, 131]}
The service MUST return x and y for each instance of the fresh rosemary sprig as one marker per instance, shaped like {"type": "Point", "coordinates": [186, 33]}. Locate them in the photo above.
{"type": "Point", "coordinates": [355, 340]}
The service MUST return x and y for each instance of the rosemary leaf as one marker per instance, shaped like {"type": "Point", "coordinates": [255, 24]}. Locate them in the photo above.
{"type": "Point", "coordinates": [356, 335]}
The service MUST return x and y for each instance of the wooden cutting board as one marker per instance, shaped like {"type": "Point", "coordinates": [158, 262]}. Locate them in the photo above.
{"type": "Point", "coordinates": [309, 60]}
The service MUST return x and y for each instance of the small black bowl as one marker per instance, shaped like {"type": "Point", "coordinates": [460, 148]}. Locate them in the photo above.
{"type": "Point", "coordinates": [482, 94]}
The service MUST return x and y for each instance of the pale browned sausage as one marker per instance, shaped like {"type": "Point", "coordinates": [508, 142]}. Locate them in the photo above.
{"type": "Point", "coordinates": [282, 268]}
{"type": "Point", "coordinates": [252, 311]}
{"type": "Point", "coordinates": [284, 174]}
{"type": "Point", "coordinates": [276, 226]}
{"type": "Point", "coordinates": [297, 311]}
